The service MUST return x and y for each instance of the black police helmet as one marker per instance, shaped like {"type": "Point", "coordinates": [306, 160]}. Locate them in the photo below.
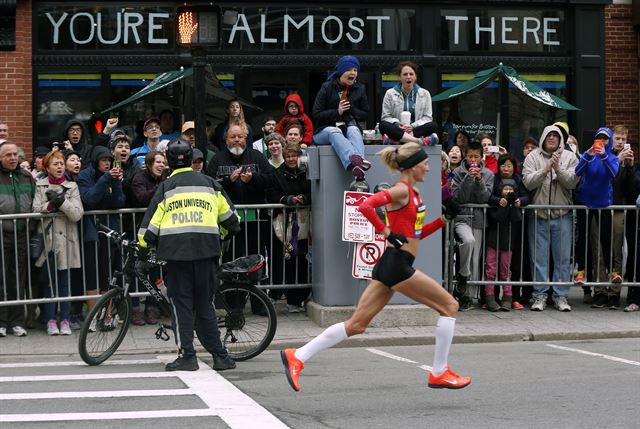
{"type": "Point", "coordinates": [179, 153]}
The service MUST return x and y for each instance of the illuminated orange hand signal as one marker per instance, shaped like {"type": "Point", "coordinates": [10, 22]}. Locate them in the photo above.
{"type": "Point", "coordinates": [186, 27]}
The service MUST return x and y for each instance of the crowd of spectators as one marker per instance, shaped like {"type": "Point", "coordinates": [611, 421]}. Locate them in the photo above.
{"type": "Point", "coordinates": [77, 175]}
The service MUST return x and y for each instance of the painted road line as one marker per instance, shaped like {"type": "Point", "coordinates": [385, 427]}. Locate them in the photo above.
{"type": "Point", "coordinates": [77, 363]}
{"type": "Point", "coordinates": [70, 377]}
{"type": "Point", "coordinates": [151, 414]}
{"type": "Point", "coordinates": [600, 355]}
{"type": "Point", "coordinates": [96, 394]}
{"type": "Point", "coordinates": [234, 407]}
{"type": "Point", "coordinates": [398, 358]}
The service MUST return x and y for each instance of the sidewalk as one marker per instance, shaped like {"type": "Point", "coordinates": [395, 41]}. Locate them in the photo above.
{"type": "Point", "coordinates": [475, 326]}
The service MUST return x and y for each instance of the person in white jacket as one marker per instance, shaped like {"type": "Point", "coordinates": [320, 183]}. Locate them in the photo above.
{"type": "Point", "coordinates": [408, 96]}
{"type": "Point", "coordinates": [549, 174]}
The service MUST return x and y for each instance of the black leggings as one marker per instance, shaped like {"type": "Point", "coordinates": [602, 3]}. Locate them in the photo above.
{"type": "Point", "coordinates": [394, 131]}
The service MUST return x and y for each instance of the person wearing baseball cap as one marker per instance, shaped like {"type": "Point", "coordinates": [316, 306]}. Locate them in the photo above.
{"type": "Point", "coordinates": [189, 132]}
{"type": "Point", "coordinates": [152, 132]}
{"type": "Point", "coordinates": [197, 164]}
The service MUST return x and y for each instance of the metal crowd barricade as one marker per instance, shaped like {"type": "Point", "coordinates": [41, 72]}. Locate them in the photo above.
{"type": "Point", "coordinates": [259, 239]}
{"type": "Point", "coordinates": [624, 218]}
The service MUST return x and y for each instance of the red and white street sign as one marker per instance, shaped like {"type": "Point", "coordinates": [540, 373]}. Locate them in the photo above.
{"type": "Point", "coordinates": [355, 227]}
{"type": "Point", "coordinates": [366, 256]}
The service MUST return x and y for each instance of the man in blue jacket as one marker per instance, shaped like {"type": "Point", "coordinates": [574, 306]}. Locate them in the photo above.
{"type": "Point", "coordinates": [598, 167]}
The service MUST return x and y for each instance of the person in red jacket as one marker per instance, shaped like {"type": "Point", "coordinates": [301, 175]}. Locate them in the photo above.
{"type": "Point", "coordinates": [294, 114]}
{"type": "Point", "coordinates": [394, 271]}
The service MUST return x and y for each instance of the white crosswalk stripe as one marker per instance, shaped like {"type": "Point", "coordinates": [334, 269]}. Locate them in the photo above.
{"type": "Point", "coordinates": [222, 398]}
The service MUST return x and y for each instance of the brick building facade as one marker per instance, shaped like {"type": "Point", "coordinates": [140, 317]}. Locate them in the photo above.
{"type": "Point", "coordinates": [16, 101]}
{"type": "Point", "coordinates": [621, 51]}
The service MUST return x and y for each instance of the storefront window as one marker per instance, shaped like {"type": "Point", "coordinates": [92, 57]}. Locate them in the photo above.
{"type": "Point", "coordinates": [64, 96]}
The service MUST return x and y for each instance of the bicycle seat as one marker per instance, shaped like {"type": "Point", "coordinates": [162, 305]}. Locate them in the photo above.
{"type": "Point", "coordinates": [245, 268]}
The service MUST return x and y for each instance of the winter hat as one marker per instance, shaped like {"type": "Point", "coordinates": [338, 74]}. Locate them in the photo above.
{"type": "Point", "coordinates": [507, 182]}
{"type": "Point", "coordinates": [197, 154]}
{"type": "Point", "coordinates": [564, 129]}
{"type": "Point", "coordinates": [345, 63]}
{"type": "Point", "coordinates": [41, 151]}
{"type": "Point", "coordinates": [68, 153]}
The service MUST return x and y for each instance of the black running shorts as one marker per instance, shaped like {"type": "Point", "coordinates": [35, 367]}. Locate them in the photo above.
{"type": "Point", "coordinates": [394, 266]}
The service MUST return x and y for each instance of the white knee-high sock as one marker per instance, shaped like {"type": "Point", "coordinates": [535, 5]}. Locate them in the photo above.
{"type": "Point", "coordinates": [331, 336]}
{"type": "Point", "coordinates": [444, 336]}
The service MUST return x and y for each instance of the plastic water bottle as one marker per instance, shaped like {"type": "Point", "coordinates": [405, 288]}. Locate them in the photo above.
{"type": "Point", "coordinates": [162, 288]}
{"type": "Point", "coordinates": [378, 136]}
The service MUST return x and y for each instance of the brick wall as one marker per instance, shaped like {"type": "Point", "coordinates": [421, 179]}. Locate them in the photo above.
{"type": "Point", "coordinates": [621, 53]}
{"type": "Point", "coordinates": [15, 82]}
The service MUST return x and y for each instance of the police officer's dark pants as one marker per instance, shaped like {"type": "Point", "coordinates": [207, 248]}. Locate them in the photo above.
{"type": "Point", "coordinates": [191, 286]}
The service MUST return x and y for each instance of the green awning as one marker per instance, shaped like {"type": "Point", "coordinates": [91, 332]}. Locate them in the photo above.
{"type": "Point", "coordinates": [483, 77]}
{"type": "Point", "coordinates": [164, 79]}
{"type": "Point", "coordinates": [213, 87]}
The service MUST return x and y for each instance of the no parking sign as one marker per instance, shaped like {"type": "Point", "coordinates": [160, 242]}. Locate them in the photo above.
{"type": "Point", "coordinates": [366, 256]}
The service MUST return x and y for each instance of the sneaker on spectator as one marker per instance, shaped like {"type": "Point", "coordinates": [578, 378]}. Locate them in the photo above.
{"type": "Point", "coordinates": [629, 308]}
{"type": "Point", "coordinates": [151, 315]}
{"type": "Point", "coordinates": [615, 277]}
{"type": "Point", "coordinates": [599, 301]}
{"type": "Point", "coordinates": [358, 161]}
{"type": "Point", "coordinates": [430, 140]}
{"type": "Point", "coordinates": [561, 304]}
{"type": "Point", "coordinates": [614, 302]}
{"type": "Point", "coordinates": [579, 278]}
{"type": "Point", "coordinates": [539, 303]}
{"type": "Point", "coordinates": [515, 305]}
{"type": "Point", "coordinates": [19, 331]}
{"type": "Point", "coordinates": [52, 328]}
{"type": "Point", "coordinates": [3, 330]}
{"type": "Point", "coordinates": [291, 308]}
{"type": "Point", "coordinates": [466, 304]}
{"type": "Point", "coordinates": [65, 329]}
{"type": "Point", "coordinates": [74, 323]}
{"type": "Point", "coordinates": [136, 318]}
{"type": "Point", "coordinates": [358, 173]}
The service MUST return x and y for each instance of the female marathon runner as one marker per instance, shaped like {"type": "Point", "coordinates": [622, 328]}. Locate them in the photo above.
{"type": "Point", "coordinates": [394, 272]}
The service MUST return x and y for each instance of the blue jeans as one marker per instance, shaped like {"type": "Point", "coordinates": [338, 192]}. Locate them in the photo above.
{"type": "Point", "coordinates": [63, 291]}
{"type": "Point", "coordinates": [556, 232]}
{"type": "Point", "coordinates": [344, 146]}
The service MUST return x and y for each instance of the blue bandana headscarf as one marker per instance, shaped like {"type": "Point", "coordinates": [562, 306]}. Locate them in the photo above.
{"type": "Point", "coordinates": [345, 63]}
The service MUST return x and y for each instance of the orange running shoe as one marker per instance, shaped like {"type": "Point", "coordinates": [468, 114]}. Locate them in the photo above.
{"type": "Point", "coordinates": [292, 367]}
{"type": "Point", "coordinates": [448, 380]}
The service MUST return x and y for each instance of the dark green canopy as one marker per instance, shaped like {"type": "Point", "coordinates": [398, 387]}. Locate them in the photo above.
{"type": "Point", "coordinates": [484, 77]}
{"type": "Point", "coordinates": [213, 87]}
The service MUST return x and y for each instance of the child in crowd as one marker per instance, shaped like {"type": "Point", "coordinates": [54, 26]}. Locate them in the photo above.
{"type": "Point", "coordinates": [294, 114]}
{"type": "Point", "coordinates": [503, 233]}
{"type": "Point", "coordinates": [472, 183]}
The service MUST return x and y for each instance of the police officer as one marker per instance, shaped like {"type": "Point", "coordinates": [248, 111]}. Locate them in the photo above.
{"type": "Point", "coordinates": [182, 222]}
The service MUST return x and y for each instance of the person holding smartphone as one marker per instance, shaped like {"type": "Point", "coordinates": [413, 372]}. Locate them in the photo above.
{"type": "Point", "coordinates": [623, 194]}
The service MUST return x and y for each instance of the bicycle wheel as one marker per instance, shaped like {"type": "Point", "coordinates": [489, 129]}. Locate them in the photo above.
{"type": "Point", "coordinates": [246, 319]}
{"type": "Point", "coordinates": [105, 327]}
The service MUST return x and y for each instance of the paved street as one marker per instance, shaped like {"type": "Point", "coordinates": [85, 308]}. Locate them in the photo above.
{"type": "Point", "coordinates": [525, 384]}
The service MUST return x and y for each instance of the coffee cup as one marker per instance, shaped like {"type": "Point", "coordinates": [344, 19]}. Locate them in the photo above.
{"type": "Point", "coordinates": [405, 118]}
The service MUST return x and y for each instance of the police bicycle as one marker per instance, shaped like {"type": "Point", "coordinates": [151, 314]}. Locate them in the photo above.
{"type": "Point", "coordinates": [243, 333]}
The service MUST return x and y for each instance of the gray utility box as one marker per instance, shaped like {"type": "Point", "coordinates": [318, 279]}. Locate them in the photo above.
{"type": "Point", "coordinates": [333, 284]}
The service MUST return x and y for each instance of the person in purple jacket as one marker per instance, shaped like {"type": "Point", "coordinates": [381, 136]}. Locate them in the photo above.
{"type": "Point", "coordinates": [598, 167]}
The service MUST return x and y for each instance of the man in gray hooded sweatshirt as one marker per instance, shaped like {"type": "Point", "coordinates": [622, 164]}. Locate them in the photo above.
{"type": "Point", "coordinates": [549, 174]}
